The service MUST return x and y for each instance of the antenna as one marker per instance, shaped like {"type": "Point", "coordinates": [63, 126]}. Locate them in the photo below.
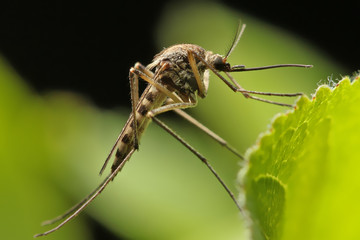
{"type": "Point", "coordinates": [238, 35]}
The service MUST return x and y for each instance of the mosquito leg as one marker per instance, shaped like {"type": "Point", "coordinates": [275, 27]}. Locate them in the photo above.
{"type": "Point", "coordinates": [143, 69]}
{"type": "Point", "coordinates": [176, 107]}
{"type": "Point", "coordinates": [201, 157]}
{"type": "Point", "coordinates": [73, 208]}
{"type": "Point", "coordinates": [200, 83]}
{"type": "Point", "coordinates": [247, 95]}
{"type": "Point", "coordinates": [206, 130]}
{"type": "Point", "coordinates": [150, 76]}
{"type": "Point", "coordinates": [151, 81]}
{"type": "Point", "coordinates": [74, 211]}
{"type": "Point", "coordinates": [169, 107]}
{"type": "Point", "coordinates": [270, 93]}
{"type": "Point", "coordinates": [242, 90]}
{"type": "Point", "coordinates": [134, 91]}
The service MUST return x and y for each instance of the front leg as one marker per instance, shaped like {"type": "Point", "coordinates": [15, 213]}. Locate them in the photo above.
{"type": "Point", "coordinates": [202, 88]}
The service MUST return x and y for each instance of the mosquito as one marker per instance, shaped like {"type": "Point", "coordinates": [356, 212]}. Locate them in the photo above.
{"type": "Point", "coordinates": [176, 77]}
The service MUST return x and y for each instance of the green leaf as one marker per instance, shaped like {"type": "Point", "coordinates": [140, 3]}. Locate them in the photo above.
{"type": "Point", "coordinates": [301, 180]}
{"type": "Point", "coordinates": [53, 146]}
{"type": "Point", "coordinates": [28, 195]}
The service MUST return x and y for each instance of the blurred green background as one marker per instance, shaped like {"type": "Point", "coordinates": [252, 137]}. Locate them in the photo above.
{"type": "Point", "coordinates": [53, 145]}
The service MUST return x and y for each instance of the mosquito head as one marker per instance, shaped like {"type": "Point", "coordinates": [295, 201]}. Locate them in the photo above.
{"type": "Point", "coordinates": [220, 64]}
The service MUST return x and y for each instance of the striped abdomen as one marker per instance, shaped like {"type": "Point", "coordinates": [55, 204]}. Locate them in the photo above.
{"type": "Point", "coordinates": [150, 99]}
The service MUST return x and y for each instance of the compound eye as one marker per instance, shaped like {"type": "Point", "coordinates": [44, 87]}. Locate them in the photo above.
{"type": "Point", "coordinates": [220, 64]}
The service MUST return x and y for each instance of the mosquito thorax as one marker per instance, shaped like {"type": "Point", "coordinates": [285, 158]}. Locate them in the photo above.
{"type": "Point", "coordinates": [179, 76]}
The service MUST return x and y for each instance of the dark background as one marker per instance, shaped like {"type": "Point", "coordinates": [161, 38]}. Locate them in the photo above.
{"type": "Point", "coordinates": [89, 47]}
